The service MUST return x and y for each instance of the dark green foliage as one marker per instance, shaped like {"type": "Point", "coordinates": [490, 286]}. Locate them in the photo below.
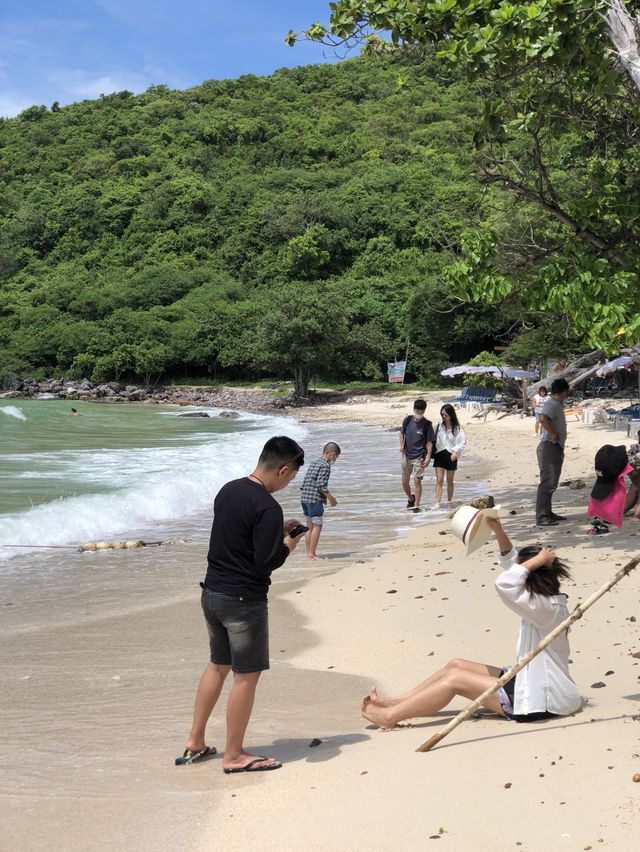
{"type": "Point", "coordinates": [298, 224]}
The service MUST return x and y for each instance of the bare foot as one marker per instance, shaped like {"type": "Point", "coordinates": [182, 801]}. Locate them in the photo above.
{"type": "Point", "coordinates": [244, 758]}
{"type": "Point", "coordinates": [370, 698]}
{"type": "Point", "coordinates": [380, 716]}
{"type": "Point", "coordinates": [313, 557]}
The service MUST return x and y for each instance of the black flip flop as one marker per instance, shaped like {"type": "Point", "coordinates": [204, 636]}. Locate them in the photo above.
{"type": "Point", "coordinates": [251, 766]}
{"type": "Point", "coordinates": [190, 757]}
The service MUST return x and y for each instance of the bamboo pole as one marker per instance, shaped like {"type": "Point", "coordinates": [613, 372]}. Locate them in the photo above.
{"type": "Point", "coordinates": [577, 613]}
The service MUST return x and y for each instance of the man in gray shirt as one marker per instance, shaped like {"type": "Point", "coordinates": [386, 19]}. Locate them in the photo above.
{"type": "Point", "coordinates": [416, 447]}
{"type": "Point", "coordinates": [551, 452]}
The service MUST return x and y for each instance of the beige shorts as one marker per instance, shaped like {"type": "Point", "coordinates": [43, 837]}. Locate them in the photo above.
{"type": "Point", "coordinates": [413, 467]}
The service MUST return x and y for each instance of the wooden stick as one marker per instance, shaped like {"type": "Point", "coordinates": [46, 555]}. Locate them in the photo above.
{"type": "Point", "coordinates": [577, 613]}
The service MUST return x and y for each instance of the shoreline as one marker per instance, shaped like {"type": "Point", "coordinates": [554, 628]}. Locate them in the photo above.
{"type": "Point", "coordinates": [389, 620]}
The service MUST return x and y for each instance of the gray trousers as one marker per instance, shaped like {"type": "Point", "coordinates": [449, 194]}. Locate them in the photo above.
{"type": "Point", "coordinates": [550, 459]}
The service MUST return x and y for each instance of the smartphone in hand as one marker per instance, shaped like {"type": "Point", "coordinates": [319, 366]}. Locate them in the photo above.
{"type": "Point", "coordinates": [299, 530]}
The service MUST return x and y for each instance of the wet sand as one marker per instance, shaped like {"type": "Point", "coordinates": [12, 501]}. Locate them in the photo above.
{"type": "Point", "coordinates": [95, 712]}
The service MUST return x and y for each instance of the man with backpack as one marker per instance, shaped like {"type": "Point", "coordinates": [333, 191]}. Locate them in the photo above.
{"type": "Point", "coordinates": [416, 448]}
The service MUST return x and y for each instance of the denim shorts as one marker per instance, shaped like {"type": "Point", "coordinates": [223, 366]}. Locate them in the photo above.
{"type": "Point", "coordinates": [313, 512]}
{"type": "Point", "coordinates": [238, 631]}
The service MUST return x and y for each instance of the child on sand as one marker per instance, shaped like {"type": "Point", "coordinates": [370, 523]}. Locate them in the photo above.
{"type": "Point", "coordinates": [529, 585]}
{"type": "Point", "coordinates": [315, 493]}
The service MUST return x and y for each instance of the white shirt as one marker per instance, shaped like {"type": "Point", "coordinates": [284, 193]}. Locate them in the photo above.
{"type": "Point", "coordinates": [446, 440]}
{"type": "Point", "coordinates": [545, 683]}
{"type": "Point", "coordinates": [538, 402]}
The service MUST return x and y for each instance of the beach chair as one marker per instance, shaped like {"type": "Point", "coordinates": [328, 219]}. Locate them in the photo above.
{"type": "Point", "coordinates": [464, 393]}
{"type": "Point", "coordinates": [474, 395]}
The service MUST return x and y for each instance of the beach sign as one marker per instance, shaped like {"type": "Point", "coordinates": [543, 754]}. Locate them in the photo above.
{"type": "Point", "coordinates": [396, 371]}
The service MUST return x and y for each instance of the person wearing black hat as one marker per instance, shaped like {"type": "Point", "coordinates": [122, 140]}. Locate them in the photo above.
{"type": "Point", "coordinates": [550, 452]}
{"type": "Point", "coordinates": [608, 495]}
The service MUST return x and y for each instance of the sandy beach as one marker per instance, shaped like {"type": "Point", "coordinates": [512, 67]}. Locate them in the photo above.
{"type": "Point", "coordinates": [94, 713]}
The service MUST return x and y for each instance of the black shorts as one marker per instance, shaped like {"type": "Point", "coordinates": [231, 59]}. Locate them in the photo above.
{"type": "Point", "coordinates": [510, 689]}
{"type": "Point", "coordinates": [443, 459]}
{"type": "Point", "coordinates": [238, 631]}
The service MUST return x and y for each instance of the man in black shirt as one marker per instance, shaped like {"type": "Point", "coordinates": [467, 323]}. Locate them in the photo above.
{"type": "Point", "coordinates": [249, 540]}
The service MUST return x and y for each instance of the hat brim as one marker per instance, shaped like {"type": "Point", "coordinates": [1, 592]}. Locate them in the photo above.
{"type": "Point", "coordinates": [601, 490]}
{"type": "Point", "coordinates": [478, 531]}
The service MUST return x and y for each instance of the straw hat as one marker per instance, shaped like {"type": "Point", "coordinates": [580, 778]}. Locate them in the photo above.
{"type": "Point", "coordinates": [471, 527]}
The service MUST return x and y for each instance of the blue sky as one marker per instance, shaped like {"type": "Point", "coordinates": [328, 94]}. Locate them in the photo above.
{"type": "Point", "coordinates": [69, 50]}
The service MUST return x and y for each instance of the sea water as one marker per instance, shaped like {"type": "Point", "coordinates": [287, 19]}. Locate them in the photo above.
{"type": "Point", "coordinates": [132, 471]}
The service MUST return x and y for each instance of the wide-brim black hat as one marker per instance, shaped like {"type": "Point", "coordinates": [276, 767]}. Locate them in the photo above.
{"type": "Point", "coordinates": [610, 462]}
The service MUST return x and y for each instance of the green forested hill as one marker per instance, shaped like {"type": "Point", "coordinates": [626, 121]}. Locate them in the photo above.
{"type": "Point", "coordinates": [261, 226]}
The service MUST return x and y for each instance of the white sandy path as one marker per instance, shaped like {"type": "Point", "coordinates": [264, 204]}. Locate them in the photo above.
{"type": "Point", "coordinates": [571, 780]}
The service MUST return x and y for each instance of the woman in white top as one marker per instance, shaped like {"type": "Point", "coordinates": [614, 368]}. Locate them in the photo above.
{"type": "Point", "coordinates": [538, 400]}
{"type": "Point", "coordinates": [529, 585]}
{"type": "Point", "coordinates": [450, 439]}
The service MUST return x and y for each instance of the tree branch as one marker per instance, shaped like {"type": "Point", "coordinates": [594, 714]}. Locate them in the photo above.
{"type": "Point", "coordinates": [624, 32]}
{"type": "Point", "coordinates": [553, 209]}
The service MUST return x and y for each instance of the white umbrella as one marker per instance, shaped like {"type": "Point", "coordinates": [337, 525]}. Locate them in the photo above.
{"type": "Point", "coordinates": [620, 363]}
{"type": "Point", "coordinates": [513, 373]}
{"type": "Point", "coordinates": [500, 372]}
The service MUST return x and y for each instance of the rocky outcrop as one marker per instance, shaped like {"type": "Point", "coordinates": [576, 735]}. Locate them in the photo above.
{"type": "Point", "coordinates": [265, 400]}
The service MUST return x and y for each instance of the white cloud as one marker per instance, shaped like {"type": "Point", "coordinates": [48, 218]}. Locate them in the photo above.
{"type": "Point", "coordinates": [12, 106]}
{"type": "Point", "coordinates": [75, 84]}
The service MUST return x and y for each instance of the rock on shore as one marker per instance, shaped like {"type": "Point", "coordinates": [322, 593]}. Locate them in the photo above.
{"type": "Point", "coordinates": [249, 399]}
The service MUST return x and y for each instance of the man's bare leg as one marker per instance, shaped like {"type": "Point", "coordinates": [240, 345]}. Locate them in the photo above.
{"type": "Point", "coordinates": [312, 538]}
{"type": "Point", "coordinates": [417, 480]}
{"type": "Point", "coordinates": [434, 698]}
{"type": "Point", "coordinates": [239, 707]}
{"type": "Point", "coordinates": [406, 485]}
{"type": "Point", "coordinates": [209, 689]}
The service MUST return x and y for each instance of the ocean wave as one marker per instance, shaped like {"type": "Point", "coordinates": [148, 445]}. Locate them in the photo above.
{"type": "Point", "coordinates": [134, 489]}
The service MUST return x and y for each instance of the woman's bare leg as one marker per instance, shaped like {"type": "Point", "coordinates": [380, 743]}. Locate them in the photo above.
{"type": "Point", "coordinates": [450, 477]}
{"type": "Point", "coordinates": [632, 497]}
{"type": "Point", "coordinates": [439, 482]}
{"type": "Point", "coordinates": [436, 696]}
{"type": "Point", "coordinates": [458, 664]}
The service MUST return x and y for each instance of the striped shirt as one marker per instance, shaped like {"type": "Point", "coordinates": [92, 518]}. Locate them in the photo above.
{"type": "Point", "coordinates": [316, 482]}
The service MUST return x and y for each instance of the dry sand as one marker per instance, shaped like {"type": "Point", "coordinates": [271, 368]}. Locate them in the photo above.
{"type": "Point", "coordinates": [122, 689]}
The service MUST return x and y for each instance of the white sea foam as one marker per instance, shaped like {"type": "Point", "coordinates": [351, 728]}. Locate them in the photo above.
{"type": "Point", "coordinates": [134, 489]}
{"type": "Point", "coordinates": [12, 411]}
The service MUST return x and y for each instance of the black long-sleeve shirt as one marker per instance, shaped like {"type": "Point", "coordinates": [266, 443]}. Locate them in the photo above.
{"type": "Point", "coordinates": [246, 542]}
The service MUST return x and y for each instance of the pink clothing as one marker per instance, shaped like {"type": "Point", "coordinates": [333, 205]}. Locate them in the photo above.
{"type": "Point", "coordinates": [611, 508]}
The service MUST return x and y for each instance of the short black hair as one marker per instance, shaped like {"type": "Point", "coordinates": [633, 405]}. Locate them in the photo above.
{"type": "Point", "coordinates": [559, 386]}
{"type": "Point", "coordinates": [279, 451]}
{"type": "Point", "coordinates": [331, 447]}
{"type": "Point", "coordinates": [420, 404]}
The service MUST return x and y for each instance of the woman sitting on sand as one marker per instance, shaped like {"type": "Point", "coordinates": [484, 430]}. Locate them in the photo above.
{"type": "Point", "coordinates": [529, 585]}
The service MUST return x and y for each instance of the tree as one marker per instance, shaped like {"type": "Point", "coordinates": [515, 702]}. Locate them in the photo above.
{"type": "Point", "coordinates": [302, 333]}
{"type": "Point", "coordinates": [558, 134]}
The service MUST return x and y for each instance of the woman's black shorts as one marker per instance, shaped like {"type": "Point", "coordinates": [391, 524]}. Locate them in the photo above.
{"type": "Point", "coordinates": [443, 459]}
